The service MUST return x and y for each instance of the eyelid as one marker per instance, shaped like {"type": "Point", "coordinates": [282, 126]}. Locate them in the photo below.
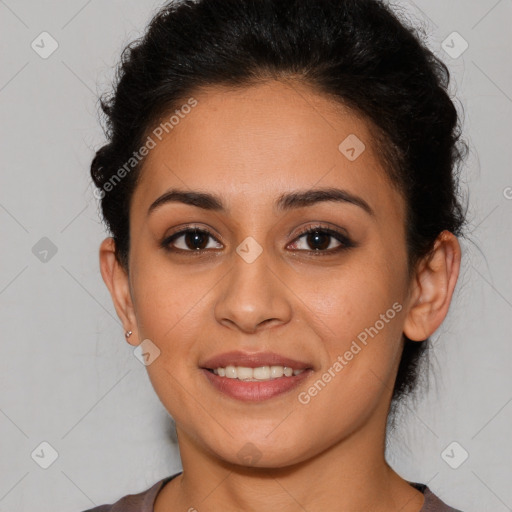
{"type": "Point", "coordinates": [194, 227]}
{"type": "Point", "coordinates": [322, 226]}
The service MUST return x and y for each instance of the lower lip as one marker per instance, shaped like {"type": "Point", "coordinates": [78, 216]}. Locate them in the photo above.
{"type": "Point", "coordinates": [255, 391]}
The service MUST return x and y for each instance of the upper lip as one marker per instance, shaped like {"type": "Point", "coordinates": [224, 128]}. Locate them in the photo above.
{"type": "Point", "coordinates": [252, 360]}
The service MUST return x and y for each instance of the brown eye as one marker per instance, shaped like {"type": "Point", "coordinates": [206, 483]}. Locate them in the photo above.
{"type": "Point", "coordinates": [321, 239]}
{"type": "Point", "coordinates": [193, 240]}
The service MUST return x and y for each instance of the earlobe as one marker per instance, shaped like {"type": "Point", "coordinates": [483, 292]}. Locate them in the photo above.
{"type": "Point", "coordinates": [434, 285]}
{"type": "Point", "coordinates": [117, 282]}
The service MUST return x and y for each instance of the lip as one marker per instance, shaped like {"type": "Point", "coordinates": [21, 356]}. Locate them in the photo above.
{"type": "Point", "coordinates": [253, 360]}
{"type": "Point", "coordinates": [255, 391]}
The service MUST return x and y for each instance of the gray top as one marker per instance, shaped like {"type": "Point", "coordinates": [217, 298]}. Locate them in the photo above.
{"type": "Point", "coordinates": [144, 501]}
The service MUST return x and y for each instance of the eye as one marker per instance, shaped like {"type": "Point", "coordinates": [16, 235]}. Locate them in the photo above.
{"type": "Point", "coordinates": [194, 240]}
{"type": "Point", "coordinates": [321, 239]}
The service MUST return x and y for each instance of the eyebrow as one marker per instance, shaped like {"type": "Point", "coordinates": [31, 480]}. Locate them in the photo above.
{"type": "Point", "coordinates": [285, 202]}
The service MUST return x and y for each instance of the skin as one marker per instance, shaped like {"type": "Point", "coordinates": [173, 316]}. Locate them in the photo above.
{"type": "Point", "coordinates": [250, 146]}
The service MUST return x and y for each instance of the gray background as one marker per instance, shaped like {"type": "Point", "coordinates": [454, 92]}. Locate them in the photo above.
{"type": "Point", "coordinates": [67, 376]}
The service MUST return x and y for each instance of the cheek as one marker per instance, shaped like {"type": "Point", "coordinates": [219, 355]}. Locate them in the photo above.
{"type": "Point", "coordinates": [357, 313]}
{"type": "Point", "coordinates": [358, 318]}
{"type": "Point", "coordinates": [170, 311]}
{"type": "Point", "coordinates": [347, 301]}
{"type": "Point", "coordinates": [166, 300]}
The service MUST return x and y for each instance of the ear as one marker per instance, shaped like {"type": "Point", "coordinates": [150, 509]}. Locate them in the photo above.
{"type": "Point", "coordinates": [433, 287]}
{"type": "Point", "coordinates": [117, 281]}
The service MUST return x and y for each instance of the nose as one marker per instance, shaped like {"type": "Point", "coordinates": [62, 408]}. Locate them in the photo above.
{"type": "Point", "coordinates": [253, 296]}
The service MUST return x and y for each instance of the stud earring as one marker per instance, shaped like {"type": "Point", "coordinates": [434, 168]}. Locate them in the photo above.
{"type": "Point", "coordinates": [128, 333]}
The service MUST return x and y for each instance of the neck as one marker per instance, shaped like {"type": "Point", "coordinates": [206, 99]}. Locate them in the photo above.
{"type": "Point", "coordinates": [351, 475]}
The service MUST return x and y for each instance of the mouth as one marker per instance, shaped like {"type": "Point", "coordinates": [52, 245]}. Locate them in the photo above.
{"type": "Point", "coordinates": [254, 377]}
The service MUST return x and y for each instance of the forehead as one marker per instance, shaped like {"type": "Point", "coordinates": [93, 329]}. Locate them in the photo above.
{"type": "Point", "coordinates": [253, 144]}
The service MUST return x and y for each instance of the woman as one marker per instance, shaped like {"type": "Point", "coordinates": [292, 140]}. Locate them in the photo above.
{"type": "Point", "coordinates": [280, 183]}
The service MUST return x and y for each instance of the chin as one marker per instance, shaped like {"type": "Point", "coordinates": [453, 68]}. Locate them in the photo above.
{"type": "Point", "coordinates": [260, 453]}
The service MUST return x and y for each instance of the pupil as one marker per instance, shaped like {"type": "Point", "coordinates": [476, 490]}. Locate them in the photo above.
{"type": "Point", "coordinates": [313, 238]}
{"type": "Point", "coordinates": [195, 237]}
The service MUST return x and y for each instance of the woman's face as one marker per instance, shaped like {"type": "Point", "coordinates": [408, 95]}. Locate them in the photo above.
{"type": "Point", "coordinates": [259, 286]}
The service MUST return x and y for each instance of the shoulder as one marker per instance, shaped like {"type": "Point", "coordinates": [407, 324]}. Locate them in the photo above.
{"type": "Point", "coordinates": [140, 502]}
{"type": "Point", "coordinates": [432, 502]}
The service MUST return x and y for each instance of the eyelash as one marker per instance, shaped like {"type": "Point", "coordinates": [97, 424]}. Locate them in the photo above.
{"type": "Point", "coordinates": [345, 242]}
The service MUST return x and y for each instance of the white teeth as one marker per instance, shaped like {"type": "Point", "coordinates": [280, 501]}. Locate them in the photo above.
{"type": "Point", "coordinates": [255, 374]}
{"type": "Point", "coordinates": [244, 373]}
{"type": "Point", "coordinates": [276, 371]}
{"type": "Point", "coordinates": [231, 372]}
{"type": "Point", "coordinates": [261, 373]}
